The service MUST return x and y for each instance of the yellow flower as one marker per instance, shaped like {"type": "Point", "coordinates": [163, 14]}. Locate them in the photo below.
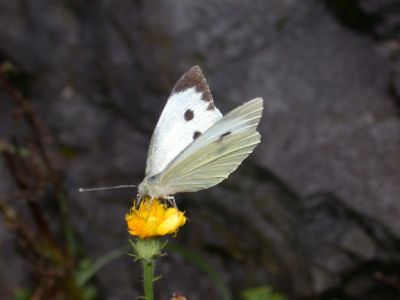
{"type": "Point", "coordinates": [153, 218]}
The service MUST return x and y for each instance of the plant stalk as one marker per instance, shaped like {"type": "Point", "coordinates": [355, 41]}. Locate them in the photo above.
{"type": "Point", "coordinates": [148, 268]}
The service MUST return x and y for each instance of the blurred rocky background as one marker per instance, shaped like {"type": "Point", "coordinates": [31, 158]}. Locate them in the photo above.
{"type": "Point", "coordinates": [314, 213]}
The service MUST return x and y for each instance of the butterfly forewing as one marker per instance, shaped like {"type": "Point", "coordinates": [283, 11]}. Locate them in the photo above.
{"type": "Point", "coordinates": [188, 113]}
{"type": "Point", "coordinates": [216, 153]}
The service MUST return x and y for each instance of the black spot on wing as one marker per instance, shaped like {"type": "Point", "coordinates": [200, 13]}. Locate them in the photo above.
{"type": "Point", "coordinates": [196, 134]}
{"type": "Point", "coordinates": [221, 137]}
{"type": "Point", "coordinates": [188, 115]}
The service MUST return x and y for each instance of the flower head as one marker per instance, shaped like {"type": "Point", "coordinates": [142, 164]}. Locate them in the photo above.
{"type": "Point", "coordinates": [153, 218]}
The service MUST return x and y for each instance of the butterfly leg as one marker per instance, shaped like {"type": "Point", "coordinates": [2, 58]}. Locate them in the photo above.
{"type": "Point", "coordinates": [138, 200]}
{"type": "Point", "coordinates": [171, 200]}
{"type": "Point", "coordinates": [149, 206]}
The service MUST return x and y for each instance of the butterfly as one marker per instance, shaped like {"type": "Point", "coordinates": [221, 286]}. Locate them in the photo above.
{"type": "Point", "coordinates": [195, 147]}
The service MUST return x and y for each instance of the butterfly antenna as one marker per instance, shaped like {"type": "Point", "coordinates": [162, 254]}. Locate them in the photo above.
{"type": "Point", "coordinates": [107, 188]}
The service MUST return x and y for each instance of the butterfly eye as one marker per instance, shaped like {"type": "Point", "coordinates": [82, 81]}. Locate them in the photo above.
{"type": "Point", "coordinates": [153, 177]}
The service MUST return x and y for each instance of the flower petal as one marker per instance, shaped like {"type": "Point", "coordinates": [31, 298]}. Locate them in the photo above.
{"type": "Point", "coordinates": [153, 218]}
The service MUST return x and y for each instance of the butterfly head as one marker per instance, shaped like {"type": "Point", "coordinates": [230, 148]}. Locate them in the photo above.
{"type": "Point", "coordinates": [150, 186]}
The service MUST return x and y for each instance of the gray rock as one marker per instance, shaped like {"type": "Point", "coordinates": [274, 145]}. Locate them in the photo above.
{"type": "Point", "coordinates": [317, 201]}
{"type": "Point", "coordinates": [359, 243]}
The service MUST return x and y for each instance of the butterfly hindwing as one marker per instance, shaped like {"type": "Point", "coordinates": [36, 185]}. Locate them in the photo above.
{"type": "Point", "coordinates": [216, 153]}
{"type": "Point", "coordinates": [188, 113]}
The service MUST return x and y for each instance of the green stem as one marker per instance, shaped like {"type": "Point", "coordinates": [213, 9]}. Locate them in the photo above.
{"type": "Point", "coordinates": [148, 267]}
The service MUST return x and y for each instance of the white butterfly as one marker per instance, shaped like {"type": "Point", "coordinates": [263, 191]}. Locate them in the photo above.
{"type": "Point", "coordinates": [194, 146]}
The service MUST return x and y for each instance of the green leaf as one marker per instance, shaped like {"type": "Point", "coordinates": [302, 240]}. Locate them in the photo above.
{"type": "Point", "coordinates": [87, 269]}
{"type": "Point", "coordinates": [262, 293]}
{"type": "Point", "coordinates": [21, 294]}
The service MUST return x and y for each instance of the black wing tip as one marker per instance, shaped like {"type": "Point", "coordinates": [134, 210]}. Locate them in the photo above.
{"type": "Point", "coordinates": [189, 79]}
{"type": "Point", "coordinates": [194, 78]}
